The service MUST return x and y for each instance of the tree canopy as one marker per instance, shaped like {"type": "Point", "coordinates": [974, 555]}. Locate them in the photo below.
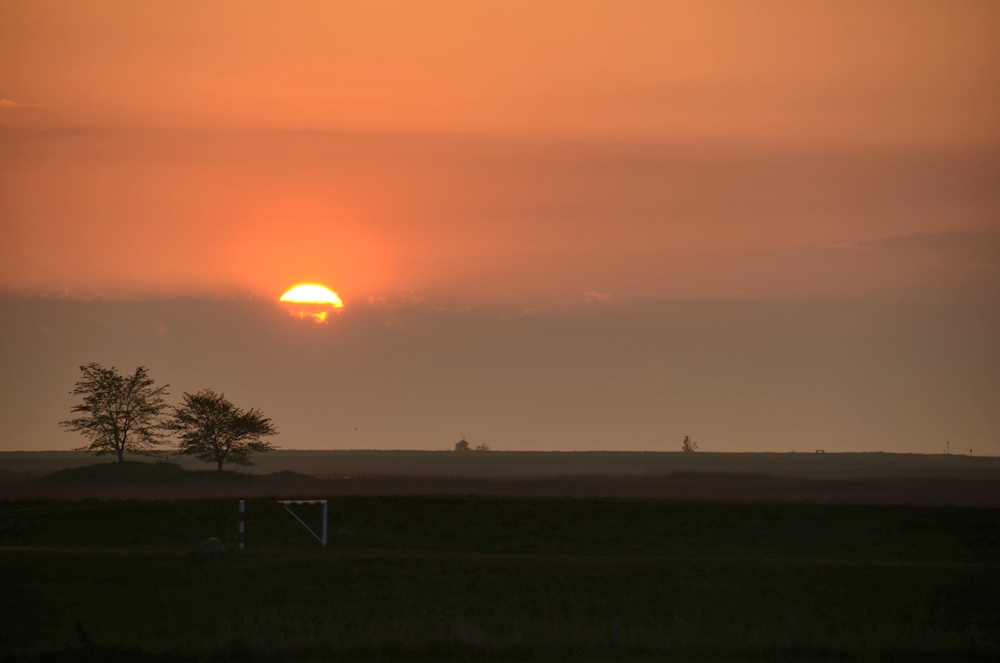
{"type": "Point", "coordinates": [119, 413]}
{"type": "Point", "coordinates": [212, 429]}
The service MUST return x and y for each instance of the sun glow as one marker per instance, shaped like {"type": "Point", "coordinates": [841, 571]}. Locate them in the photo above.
{"type": "Point", "coordinates": [312, 300]}
{"type": "Point", "coordinates": [310, 293]}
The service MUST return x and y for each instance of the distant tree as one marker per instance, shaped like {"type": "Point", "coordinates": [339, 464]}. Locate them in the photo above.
{"type": "Point", "coordinates": [462, 445]}
{"type": "Point", "coordinates": [689, 445]}
{"type": "Point", "coordinates": [483, 447]}
{"type": "Point", "coordinates": [214, 430]}
{"type": "Point", "coordinates": [119, 413]}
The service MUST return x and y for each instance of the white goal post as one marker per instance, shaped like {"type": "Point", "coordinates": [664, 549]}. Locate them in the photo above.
{"type": "Point", "coordinates": [289, 503]}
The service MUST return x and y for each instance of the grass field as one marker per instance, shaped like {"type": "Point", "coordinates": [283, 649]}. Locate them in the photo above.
{"type": "Point", "coordinates": [490, 578]}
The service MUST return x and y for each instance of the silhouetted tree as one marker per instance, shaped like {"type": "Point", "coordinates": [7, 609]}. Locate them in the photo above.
{"type": "Point", "coordinates": [214, 430]}
{"type": "Point", "coordinates": [483, 447]}
{"type": "Point", "coordinates": [119, 413]}
{"type": "Point", "coordinates": [689, 445]}
{"type": "Point", "coordinates": [462, 445]}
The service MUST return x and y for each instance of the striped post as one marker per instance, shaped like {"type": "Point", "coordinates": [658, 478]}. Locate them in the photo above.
{"type": "Point", "coordinates": [241, 524]}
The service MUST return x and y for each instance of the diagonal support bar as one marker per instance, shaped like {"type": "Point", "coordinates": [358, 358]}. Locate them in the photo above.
{"type": "Point", "coordinates": [288, 503]}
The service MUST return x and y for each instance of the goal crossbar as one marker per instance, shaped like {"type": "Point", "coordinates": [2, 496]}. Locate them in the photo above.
{"type": "Point", "coordinates": [290, 503]}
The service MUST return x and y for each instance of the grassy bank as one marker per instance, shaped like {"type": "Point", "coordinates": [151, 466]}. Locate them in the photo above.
{"type": "Point", "coordinates": [526, 464]}
{"type": "Point", "coordinates": [167, 481]}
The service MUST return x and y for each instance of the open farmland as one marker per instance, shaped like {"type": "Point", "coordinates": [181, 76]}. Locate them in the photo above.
{"type": "Point", "coordinates": [424, 577]}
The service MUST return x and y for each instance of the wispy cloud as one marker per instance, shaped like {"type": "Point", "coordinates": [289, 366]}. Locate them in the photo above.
{"type": "Point", "coordinates": [983, 245]}
{"type": "Point", "coordinates": [10, 103]}
{"type": "Point", "coordinates": [595, 296]}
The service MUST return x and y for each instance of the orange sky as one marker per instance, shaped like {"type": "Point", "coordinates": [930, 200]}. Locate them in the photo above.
{"type": "Point", "coordinates": [554, 225]}
{"type": "Point", "coordinates": [520, 153]}
{"type": "Point", "coordinates": [817, 72]}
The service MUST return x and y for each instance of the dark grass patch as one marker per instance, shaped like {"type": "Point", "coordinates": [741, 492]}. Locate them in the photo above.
{"type": "Point", "coordinates": [465, 578]}
{"type": "Point", "coordinates": [404, 655]}
{"type": "Point", "coordinates": [550, 526]}
{"type": "Point", "coordinates": [529, 608]}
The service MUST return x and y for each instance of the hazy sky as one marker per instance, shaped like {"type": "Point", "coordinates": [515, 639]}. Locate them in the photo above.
{"type": "Point", "coordinates": [574, 162]}
{"type": "Point", "coordinates": [835, 72]}
{"type": "Point", "coordinates": [403, 374]}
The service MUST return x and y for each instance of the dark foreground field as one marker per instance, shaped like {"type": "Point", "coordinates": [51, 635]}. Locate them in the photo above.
{"type": "Point", "coordinates": [500, 578]}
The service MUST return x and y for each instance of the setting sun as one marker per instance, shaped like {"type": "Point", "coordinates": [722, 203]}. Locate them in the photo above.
{"type": "Point", "coordinates": [312, 300]}
{"type": "Point", "coordinates": [310, 293]}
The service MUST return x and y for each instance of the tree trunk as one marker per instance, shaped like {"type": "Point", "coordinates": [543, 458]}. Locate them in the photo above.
{"type": "Point", "coordinates": [121, 454]}
{"type": "Point", "coordinates": [220, 465]}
